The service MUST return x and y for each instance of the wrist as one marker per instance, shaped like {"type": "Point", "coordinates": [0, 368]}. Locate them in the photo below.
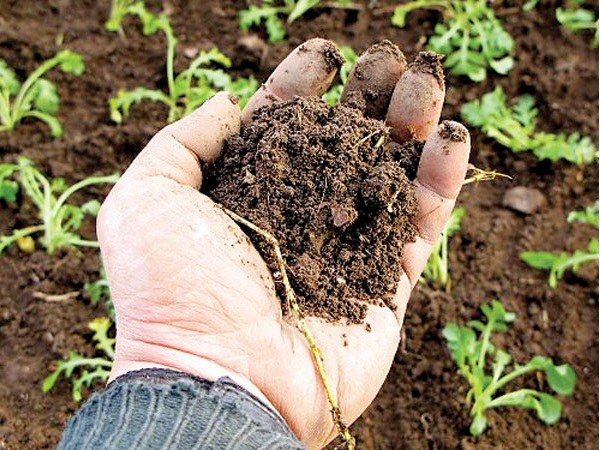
{"type": "Point", "coordinates": [197, 366]}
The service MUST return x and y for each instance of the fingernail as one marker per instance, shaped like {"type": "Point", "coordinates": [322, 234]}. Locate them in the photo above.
{"type": "Point", "coordinates": [453, 131]}
{"type": "Point", "coordinates": [430, 63]}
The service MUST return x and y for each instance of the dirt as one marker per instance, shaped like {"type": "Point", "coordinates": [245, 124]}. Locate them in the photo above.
{"type": "Point", "coordinates": [422, 402]}
{"type": "Point", "coordinates": [323, 183]}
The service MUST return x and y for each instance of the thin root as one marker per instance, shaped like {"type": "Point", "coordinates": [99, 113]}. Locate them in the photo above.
{"type": "Point", "coordinates": [478, 175]}
{"type": "Point", "coordinates": [302, 326]}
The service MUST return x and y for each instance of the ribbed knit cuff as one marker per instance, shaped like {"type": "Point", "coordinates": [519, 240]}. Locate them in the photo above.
{"type": "Point", "coordinates": [160, 408]}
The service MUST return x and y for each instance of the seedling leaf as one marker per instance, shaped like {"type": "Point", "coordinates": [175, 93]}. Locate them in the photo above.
{"type": "Point", "coordinates": [470, 352]}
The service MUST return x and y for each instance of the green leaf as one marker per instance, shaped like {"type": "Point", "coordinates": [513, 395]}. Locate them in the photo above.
{"type": "Point", "coordinates": [91, 208]}
{"type": "Point", "coordinates": [46, 97]}
{"type": "Point", "coordinates": [122, 103]}
{"type": "Point", "coordinates": [504, 65]}
{"type": "Point", "coordinates": [461, 342]}
{"type": "Point", "coordinates": [562, 379]}
{"type": "Point", "coordinates": [275, 29]}
{"type": "Point", "coordinates": [8, 80]}
{"type": "Point", "coordinates": [539, 260]}
{"type": "Point", "coordinates": [71, 62]}
{"type": "Point", "coordinates": [547, 407]}
{"type": "Point", "coordinates": [300, 9]}
{"type": "Point", "coordinates": [588, 215]}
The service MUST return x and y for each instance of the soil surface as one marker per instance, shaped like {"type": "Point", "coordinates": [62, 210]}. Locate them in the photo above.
{"type": "Point", "coordinates": [322, 181]}
{"type": "Point", "coordinates": [422, 402]}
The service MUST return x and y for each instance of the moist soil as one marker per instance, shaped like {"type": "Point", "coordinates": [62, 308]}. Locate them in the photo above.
{"type": "Point", "coordinates": [422, 404]}
{"type": "Point", "coordinates": [322, 181]}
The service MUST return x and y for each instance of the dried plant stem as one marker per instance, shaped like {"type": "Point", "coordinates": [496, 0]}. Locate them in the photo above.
{"type": "Point", "coordinates": [478, 175]}
{"type": "Point", "coordinates": [302, 326]}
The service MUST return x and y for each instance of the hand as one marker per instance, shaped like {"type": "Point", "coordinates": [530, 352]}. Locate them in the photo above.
{"type": "Point", "coordinates": [186, 301]}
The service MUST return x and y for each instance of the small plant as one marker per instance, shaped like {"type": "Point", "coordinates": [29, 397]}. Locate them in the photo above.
{"type": "Point", "coordinates": [36, 97]}
{"type": "Point", "coordinates": [92, 368]}
{"type": "Point", "coordinates": [471, 354]}
{"type": "Point", "coordinates": [515, 128]}
{"type": "Point", "coordinates": [558, 263]}
{"type": "Point", "coordinates": [436, 269]}
{"type": "Point", "coordinates": [60, 221]}
{"type": "Point", "coordinates": [332, 97]}
{"type": "Point", "coordinates": [575, 19]}
{"type": "Point", "coordinates": [471, 36]}
{"type": "Point", "coordinates": [269, 12]}
{"type": "Point", "coordinates": [190, 88]}
{"type": "Point", "coordinates": [118, 10]}
{"type": "Point", "coordinates": [99, 290]}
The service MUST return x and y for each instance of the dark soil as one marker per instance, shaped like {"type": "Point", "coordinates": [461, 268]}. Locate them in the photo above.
{"type": "Point", "coordinates": [422, 402]}
{"type": "Point", "coordinates": [323, 183]}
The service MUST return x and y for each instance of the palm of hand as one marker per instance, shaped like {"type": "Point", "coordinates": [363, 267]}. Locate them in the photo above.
{"type": "Point", "coordinates": [193, 294]}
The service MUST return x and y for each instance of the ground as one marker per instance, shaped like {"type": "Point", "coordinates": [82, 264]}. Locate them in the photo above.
{"type": "Point", "coordinates": [422, 402]}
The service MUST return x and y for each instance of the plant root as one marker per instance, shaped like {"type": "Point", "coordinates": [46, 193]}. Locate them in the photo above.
{"type": "Point", "coordinates": [478, 175]}
{"type": "Point", "coordinates": [341, 427]}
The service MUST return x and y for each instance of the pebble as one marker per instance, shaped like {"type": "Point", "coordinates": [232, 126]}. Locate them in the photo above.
{"type": "Point", "coordinates": [524, 200]}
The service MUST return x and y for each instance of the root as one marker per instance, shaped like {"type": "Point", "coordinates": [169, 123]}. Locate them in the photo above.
{"type": "Point", "coordinates": [478, 175]}
{"type": "Point", "coordinates": [341, 427]}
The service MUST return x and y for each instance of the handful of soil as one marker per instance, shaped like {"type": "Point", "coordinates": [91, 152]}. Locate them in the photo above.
{"type": "Point", "coordinates": [335, 194]}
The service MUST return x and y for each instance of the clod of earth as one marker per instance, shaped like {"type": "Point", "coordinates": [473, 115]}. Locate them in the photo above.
{"type": "Point", "coordinates": [335, 193]}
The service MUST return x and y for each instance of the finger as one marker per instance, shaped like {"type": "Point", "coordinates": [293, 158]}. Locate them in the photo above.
{"type": "Point", "coordinates": [176, 150]}
{"type": "Point", "coordinates": [375, 76]}
{"type": "Point", "coordinates": [308, 70]}
{"type": "Point", "coordinates": [417, 100]}
{"type": "Point", "coordinates": [440, 177]}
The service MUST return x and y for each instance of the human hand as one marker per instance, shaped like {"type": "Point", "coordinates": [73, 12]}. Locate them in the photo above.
{"type": "Point", "coordinates": [188, 285]}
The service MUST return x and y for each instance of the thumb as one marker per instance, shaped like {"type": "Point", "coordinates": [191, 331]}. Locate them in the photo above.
{"type": "Point", "coordinates": [176, 151]}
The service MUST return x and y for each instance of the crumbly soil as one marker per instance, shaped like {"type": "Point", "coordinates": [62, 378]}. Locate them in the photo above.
{"type": "Point", "coordinates": [322, 181]}
{"type": "Point", "coordinates": [422, 403]}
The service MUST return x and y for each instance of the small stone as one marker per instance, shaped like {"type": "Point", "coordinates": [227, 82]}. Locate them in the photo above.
{"type": "Point", "coordinates": [249, 178]}
{"type": "Point", "coordinates": [190, 52]}
{"type": "Point", "coordinates": [524, 200]}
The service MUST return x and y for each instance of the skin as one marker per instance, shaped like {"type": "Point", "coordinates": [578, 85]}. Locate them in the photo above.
{"type": "Point", "coordinates": [185, 301]}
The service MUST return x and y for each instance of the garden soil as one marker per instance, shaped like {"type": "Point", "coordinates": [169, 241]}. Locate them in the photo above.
{"type": "Point", "coordinates": [422, 404]}
{"type": "Point", "coordinates": [323, 182]}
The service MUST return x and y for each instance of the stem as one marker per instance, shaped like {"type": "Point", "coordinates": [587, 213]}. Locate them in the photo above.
{"type": "Point", "coordinates": [303, 327]}
{"type": "Point", "coordinates": [509, 399]}
{"type": "Point", "coordinates": [493, 387]}
{"type": "Point", "coordinates": [5, 116]}
{"type": "Point", "coordinates": [35, 75]}
{"type": "Point", "coordinates": [85, 243]}
{"type": "Point", "coordinates": [80, 185]}
{"type": "Point", "coordinates": [5, 241]}
{"type": "Point", "coordinates": [485, 343]}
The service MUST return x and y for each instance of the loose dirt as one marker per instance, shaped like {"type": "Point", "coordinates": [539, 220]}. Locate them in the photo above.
{"type": "Point", "coordinates": [324, 183]}
{"type": "Point", "coordinates": [421, 405]}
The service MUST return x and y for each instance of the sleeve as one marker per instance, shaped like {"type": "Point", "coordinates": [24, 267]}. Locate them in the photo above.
{"type": "Point", "coordinates": [159, 408]}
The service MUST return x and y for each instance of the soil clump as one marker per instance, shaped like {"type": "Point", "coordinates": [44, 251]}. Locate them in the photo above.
{"type": "Point", "coordinates": [327, 185]}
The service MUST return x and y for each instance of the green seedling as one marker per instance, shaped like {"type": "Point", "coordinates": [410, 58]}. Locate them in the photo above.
{"type": "Point", "coordinates": [118, 10]}
{"type": "Point", "coordinates": [332, 97]}
{"type": "Point", "coordinates": [530, 5]}
{"type": "Point", "coordinates": [8, 188]}
{"type": "Point", "coordinates": [270, 12]}
{"type": "Point", "coordinates": [190, 88]}
{"type": "Point", "coordinates": [36, 97]}
{"type": "Point", "coordinates": [60, 221]}
{"type": "Point", "coordinates": [589, 215]}
{"type": "Point", "coordinates": [557, 263]}
{"type": "Point", "coordinates": [515, 127]}
{"type": "Point", "coordinates": [88, 369]}
{"type": "Point", "coordinates": [576, 19]}
{"type": "Point", "coordinates": [488, 390]}
{"type": "Point", "coordinates": [471, 36]}
{"type": "Point", "coordinates": [436, 269]}
{"type": "Point", "coordinates": [99, 290]}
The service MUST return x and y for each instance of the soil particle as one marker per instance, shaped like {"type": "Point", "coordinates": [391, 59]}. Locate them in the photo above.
{"type": "Point", "coordinates": [431, 63]}
{"type": "Point", "coordinates": [339, 203]}
{"type": "Point", "coordinates": [524, 200]}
